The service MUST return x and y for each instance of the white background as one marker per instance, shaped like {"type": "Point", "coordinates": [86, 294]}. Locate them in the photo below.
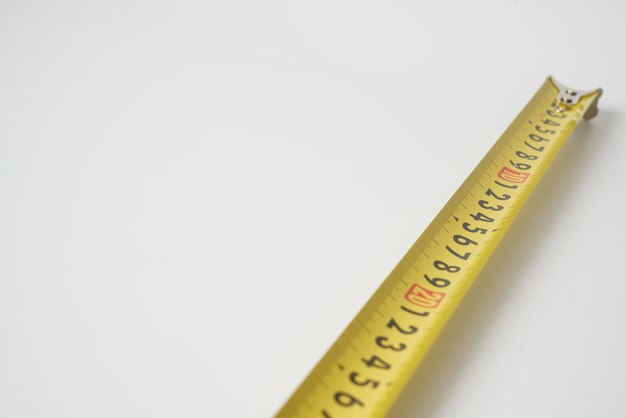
{"type": "Point", "coordinates": [196, 198]}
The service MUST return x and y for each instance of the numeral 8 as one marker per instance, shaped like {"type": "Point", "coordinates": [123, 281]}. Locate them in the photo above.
{"type": "Point", "coordinates": [445, 267]}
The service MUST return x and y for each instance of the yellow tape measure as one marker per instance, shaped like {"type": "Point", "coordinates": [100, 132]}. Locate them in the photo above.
{"type": "Point", "coordinates": [364, 371]}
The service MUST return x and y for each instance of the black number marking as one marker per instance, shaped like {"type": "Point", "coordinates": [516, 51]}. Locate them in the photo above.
{"type": "Point", "coordinates": [461, 240]}
{"type": "Point", "coordinates": [549, 122]}
{"type": "Point", "coordinates": [393, 324]}
{"type": "Point", "coordinates": [380, 341]}
{"type": "Point", "coordinates": [512, 186]}
{"type": "Point", "coordinates": [483, 204]}
{"type": "Point", "coordinates": [555, 115]}
{"type": "Point", "coordinates": [412, 312]}
{"type": "Point", "coordinates": [366, 382]}
{"type": "Point", "coordinates": [345, 399]}
{"type": "Point", "coordinates": [437, 281]}
{"type": "Point", "coordinates": [466, 226]}
{"type": "Point", "coordinates": [521, 166]}
{"type": "Point", "coordinates": [481, 217]}
{"type": "Point", "coordinates": [538, 138]}
{"type": "Point", "coordinates": [545, 131]}
{"type": "Point", "coordinates": [526, 156]}
{"type": "Point", "coordinates": [540, 149]}
{"type": "Point", "coordinates": [490, 193]}
{"type": "Point", "coordinates": [454, 253]}
{"type": "Point", "coordinates": [440, 265]}
{"type": "Point", "coordinates": [377, 362]}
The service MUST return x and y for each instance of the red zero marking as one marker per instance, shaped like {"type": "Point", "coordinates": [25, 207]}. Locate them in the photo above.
{"type": "Point", "coordinates": [423, 297]}
{"type": "Point", "coordinates": [512, 176]}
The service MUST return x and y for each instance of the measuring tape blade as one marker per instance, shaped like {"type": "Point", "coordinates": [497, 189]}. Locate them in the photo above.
{"type": "Point", "coordinates": [364, 371]}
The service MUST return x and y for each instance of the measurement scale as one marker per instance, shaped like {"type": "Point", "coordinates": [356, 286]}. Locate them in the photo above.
{"type": "Point", "coordinates": [365, 370]}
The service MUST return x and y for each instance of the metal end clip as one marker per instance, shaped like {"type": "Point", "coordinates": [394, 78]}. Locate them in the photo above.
{"type": "Point", "coordinates": [567, 97]}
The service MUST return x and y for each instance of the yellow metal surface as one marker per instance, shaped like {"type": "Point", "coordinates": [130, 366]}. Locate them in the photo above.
{"type": "Point", "coordinates": [364, 371]}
